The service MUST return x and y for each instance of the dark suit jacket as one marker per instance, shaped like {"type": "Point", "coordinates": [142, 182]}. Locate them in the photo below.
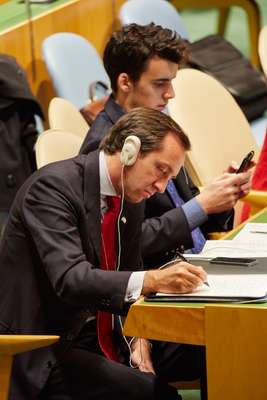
{"type": "Point", "coordinates": [50, 280]}
{"type": "Point", "coordinates": [165, 229]}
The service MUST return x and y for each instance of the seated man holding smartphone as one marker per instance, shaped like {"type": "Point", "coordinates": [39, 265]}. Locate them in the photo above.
{"type": "Point", "coordinates": [141, 62]}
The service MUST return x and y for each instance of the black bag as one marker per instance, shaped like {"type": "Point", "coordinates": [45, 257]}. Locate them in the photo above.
{"type": "Point", "coordinates": [217, 57]}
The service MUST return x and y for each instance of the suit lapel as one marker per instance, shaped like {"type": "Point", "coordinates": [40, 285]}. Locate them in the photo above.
{"type": "Point", "coordinates": [92, 200]}
{"type": "Point", "coordinates": [182, 186]}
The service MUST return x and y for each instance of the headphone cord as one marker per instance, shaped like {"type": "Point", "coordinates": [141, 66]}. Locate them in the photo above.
{"type": "Point", "coordinates": [128, 344]}
{"type": "Point", "coordinates": [118, 220]}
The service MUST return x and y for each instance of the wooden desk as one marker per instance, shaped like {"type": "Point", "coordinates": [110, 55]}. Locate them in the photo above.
{"type": "Point", "coordinates": [14, 344]}
{"type": "Point", "coordinates": [234, 336]}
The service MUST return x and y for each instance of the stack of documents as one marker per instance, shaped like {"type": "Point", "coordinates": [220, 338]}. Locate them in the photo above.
{"type": "Point", "coordinates": [232, 248]}
{"type": "Point", "coordinates": [226, 283]}
{"type": "Point", "coordinates": [230, 282]}
{"type": "Point", "coordinates": [251, 241]}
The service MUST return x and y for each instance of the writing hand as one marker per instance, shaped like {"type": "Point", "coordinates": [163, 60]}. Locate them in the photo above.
{"type": "Point", "coordinates": [181, 277]}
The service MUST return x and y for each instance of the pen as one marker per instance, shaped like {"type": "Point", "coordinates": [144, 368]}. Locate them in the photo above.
{"type": "Point", "coordinates": [258, 232]}
{"type": "Point", "coordinates": [182, 257]}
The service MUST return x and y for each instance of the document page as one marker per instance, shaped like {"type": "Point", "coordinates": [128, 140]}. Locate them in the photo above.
{"type": "Point", "coordinates": [233, 248]}
{"type": "Point", "coordinates": [254, 232]}
{"type": "Point", "coordinates": [231, 281]}
{"type": "Point", "coordinates": [230, 286]}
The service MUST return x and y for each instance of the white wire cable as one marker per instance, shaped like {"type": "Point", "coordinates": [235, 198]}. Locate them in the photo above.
{"type": "Point", "coordinates": [169, 263]}
{"type": "Point", "coordinates": [185, 175]}
{"type": "Point", "coordinates": [118, 220]}
{"type": "Point", "coordinates": [118, 268]}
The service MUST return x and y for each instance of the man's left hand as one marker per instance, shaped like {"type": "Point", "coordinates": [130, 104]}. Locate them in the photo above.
{"type": "Point", "coordinates": [233, 167]}
{"type": "Point", "coordinates": [246, 186]}
{"type": "Point", "coordinates": [141, 355]}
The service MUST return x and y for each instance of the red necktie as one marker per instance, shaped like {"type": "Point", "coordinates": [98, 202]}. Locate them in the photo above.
{"type": "Point", "coordinates": [108, 262]}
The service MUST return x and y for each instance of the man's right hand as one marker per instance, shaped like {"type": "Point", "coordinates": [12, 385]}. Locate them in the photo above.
{"type": "Point", "coordinates": [223, 193]}
{"type": "Point", "coordinates": [181, 277]}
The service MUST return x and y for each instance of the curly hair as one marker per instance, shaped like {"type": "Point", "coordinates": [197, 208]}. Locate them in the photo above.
{"type": "Point", "coordinates": [130, 49]}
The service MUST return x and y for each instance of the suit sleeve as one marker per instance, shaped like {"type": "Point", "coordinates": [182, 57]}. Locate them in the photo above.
{"type": "Point", "coordinates": [216, 222]}
{"type": "Point", "coordinates": [165, 229]}
{"type": "Point", "coordinates": [54, 217]}
{"type": "Point", "coordinates": [219, 222]}
{"type": "Point", "coordinates": [165, 233]}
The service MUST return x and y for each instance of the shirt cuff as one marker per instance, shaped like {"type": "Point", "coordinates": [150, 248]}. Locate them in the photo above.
{"type": "Point", "coordinates": [135, 285]}
{"type": "Point", "coordinates": [194, 213]}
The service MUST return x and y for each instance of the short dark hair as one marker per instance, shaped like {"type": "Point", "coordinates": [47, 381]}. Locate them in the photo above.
{"type": "Point", "coordinates": [130, 49]}
{"type": "Point", "coordinates": [151, 126]}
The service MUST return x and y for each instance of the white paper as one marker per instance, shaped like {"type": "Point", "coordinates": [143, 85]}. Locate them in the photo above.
{"type": "Point", "coordinates": [233, 248]}
{"type": "Point", "coordinates": [255, 232]}
{"type": "Point", "coordinates": [234, 285]}
{"type": "Point", "coordinates": [233, 281]}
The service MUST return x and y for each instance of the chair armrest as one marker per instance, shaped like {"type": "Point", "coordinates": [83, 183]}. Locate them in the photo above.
{"type": "Point", "coordinates": [257, 199]}
{"type": "Point", "coordinates": [216, 235]}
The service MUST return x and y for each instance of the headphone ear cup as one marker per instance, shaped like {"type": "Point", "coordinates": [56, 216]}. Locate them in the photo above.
{"type": "Point", "coordinates": [130, 150]}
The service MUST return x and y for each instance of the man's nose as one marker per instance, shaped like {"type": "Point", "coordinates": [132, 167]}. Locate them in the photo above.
{"type": "Point", "coordinates": [160, 185]}
{"type": "Point", "coordinates": [169, 94]}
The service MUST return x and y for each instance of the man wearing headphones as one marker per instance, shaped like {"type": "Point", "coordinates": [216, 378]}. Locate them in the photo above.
{"type": "Point", "coordinates": [71, 254]}
{"type": "Point", "coordinates": [141, 62]}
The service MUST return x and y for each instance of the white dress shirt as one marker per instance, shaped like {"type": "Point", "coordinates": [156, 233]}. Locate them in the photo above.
{"type": "Point", "coordinates": [136, 280]}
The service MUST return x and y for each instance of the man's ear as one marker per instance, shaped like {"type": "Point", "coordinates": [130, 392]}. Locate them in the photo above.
{"type": "Point", "coordinates": [124, 83]}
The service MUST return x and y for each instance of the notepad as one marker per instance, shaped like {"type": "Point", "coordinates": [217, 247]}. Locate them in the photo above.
{"type": "Point", "coordinates": [230, 286]}
{"type": "Point", "coordinates": [233, 282]}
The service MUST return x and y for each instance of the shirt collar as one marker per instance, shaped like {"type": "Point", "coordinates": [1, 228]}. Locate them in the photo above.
{"type": "Point", "coordinates": [113, 109]}
{"type": "Point", "coordinates": [106, 187]}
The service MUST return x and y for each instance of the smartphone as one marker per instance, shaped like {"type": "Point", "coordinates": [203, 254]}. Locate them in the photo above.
{"type": "Point", "coordinates": [245, 162]}
{"type": "Point", "coordinates": [244, 262]}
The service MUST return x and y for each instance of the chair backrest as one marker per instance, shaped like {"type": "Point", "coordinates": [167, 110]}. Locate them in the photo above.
{"type": "Point", "coordinates": [161, 12]}
{"type": "Point", "coordinates": [55, 145]}
{"type": "Point", "coordinates": [73, 64]}
{"type": "Point", "coordinates": [259, 126]}
{"type": "Point", "coordinates": [64, 116]}
{"type": "Point", "coordinates": [263, 48]}
{"type": "Point", "coordinates": [217, 128]}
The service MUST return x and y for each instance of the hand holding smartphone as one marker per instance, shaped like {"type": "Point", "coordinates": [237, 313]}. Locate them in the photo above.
{"type": "Point", "coordinates": [245, 162]}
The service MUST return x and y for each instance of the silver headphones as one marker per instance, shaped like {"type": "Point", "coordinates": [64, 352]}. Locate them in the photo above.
{"type": "Point", "coordinates": [130, 150]}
